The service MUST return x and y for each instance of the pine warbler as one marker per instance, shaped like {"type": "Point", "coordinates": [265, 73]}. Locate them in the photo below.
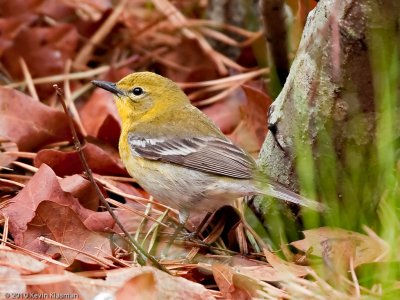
{"type": "Point", "coordinates": [178, 155]}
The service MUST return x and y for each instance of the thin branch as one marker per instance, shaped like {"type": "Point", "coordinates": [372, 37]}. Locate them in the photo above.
{"type": "Point", "coordinates": [68, 99]}
{"type": "Point", "coordinates": [233, 78]}
{"type": "Point", "coordinates": [77, 75]}
{"type": "Point", "coordinates": [28, 79]}
{"type": "Point", "coordinates": [4, 236]}
{"type": "Point", "coordinates": [100, 261]}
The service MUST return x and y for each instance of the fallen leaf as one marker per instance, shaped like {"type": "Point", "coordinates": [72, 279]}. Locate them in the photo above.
{"type": "Point", "coordinates": [223, 276]}
{"type": "Point", "coordinates": [89, 10]}
{"type": "Point", "coordinates": [283, 267]}
{"type": "Point", "coordinates": [99, 114]}
{"type": "Point", "coordinates": [226, 113]}
{"type": "Point", "coordinates": [249, 286]}
{"type": "Point", "coordinates": [100, 117]}
{"type": "Point", "coordinates": [194, 64]}
{"type": "Point", "coordinates": [21, 262]}
{"type": "Point", "coordinates": [260, 272]}
{"type": "Point", "coordinates": [5, 158]}
{"type": "Point", "coordinates": [255, 111]}
{"type": "Point", "coordinates": [165, 285]}
{"type": "Point", "coordinates": [29, 123]}
{"type": "Point", "coordinates": [142, 286]}
{"type": "Point", "coordinates": [54, 288]}
{"type": "Point", "coordinates": [252, 130]}
{"type": "Point", "coordinates": [365, 249]}
{"type": "Point", "coordinates": [51, 8]}
{"type": "Point", "coordinates": [49, 50]}
{"type": "Point", "coordinates": [10, 282]}
{"type": "Point", "coordinates": [83, 190]}
{"type": "Point", "coordinates": [102, 159]}
{"type": "Point", "coordinates": [62, 224]}
{"type": "Point", "coordinates": [12, 26]}
{"type": "Point", "coordinates": [44, 185]}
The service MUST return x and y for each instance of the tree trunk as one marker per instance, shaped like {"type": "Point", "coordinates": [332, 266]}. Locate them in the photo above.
{"type": "Point", "coordinates": [325, 119]}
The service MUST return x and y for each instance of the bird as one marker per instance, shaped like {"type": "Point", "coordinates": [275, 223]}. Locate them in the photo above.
{"type": "Point", "coordinates": [178, 155]}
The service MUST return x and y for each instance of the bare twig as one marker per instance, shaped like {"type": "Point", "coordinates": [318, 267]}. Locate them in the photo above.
{"type": "Point", "coordinates": [100, 261]}
{"type": "Point", "coordinates": [220, 95]}
{"type": "Point", "coordinates": [35, 254]}
{"type": "Point", "coordinates": [4, 236]}
{"type": "Point", "coordinates": [28, 79]}
{"type": "Point", "coordinates": [29, 155]}
{"type": "Point", "coordinates": [179, 20]}
{"type": "Point", "coordinates": [228, 27]}
{"type": "Point", "coordinates": [12, 182]}
{"type": "Point", "coordinates": [233, 78]}
{"type": "Point", "coordinates": [135, 245]}
{"type": "Point", "coordinates": [354, 277]}
{"type": "Point", "coordinates": [68, 98]}
{"type": "Point", "coordinates": [77, 75]}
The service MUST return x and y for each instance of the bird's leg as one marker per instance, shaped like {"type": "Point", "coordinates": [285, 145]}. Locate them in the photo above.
{"type": "Point", "coordinates": [193, 235]}
{"type": "Point", "coordinates": [183, 217]}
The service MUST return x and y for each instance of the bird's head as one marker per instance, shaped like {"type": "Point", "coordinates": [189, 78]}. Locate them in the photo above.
{"type": "Point", "coordinates": [144, 93]}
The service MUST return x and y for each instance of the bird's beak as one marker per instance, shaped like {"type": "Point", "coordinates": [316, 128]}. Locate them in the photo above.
{"type": "Point", "coordinates": [108, 86]}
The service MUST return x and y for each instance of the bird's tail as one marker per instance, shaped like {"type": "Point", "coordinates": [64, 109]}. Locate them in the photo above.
{"type": "Point", "coordinates": [277, 190]}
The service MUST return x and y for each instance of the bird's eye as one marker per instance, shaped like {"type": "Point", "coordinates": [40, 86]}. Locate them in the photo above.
{"type": "Point", "coordinates": [137, 91]}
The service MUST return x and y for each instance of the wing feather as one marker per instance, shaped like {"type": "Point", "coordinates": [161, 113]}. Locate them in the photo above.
{"type": "Point", "coordinates": [212, 155]}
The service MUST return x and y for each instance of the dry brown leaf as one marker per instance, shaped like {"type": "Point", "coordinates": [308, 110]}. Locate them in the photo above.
{"type": "Point", "coordinates": [226, 113]}
{"type": "Point", "coordinates": [5, 158]}
{"type": "Point", "coordinates": [10, 282]}
{"type": "Point", "coordinates": [11, 26]}
{"type": "Point", "coordinates": [362, 248]}
{"type": "Point", "coordinates": [223, 276]}
{"type": "Point", "coordinates": [188, 62]}
{"type": "Point", "coordinates": [255, 111]}
{"type": "Point", "coordinates": [165, 287]}
{"type": "Point", "coordinates": [83, 190]}
{"type": "Point", "coordinates": [102, 159]}
{"type": "Point", "coordinates": [260, 272]}
{"type": "Point", "coordinates": [61, 224]}
{"type": "Point", "coordinates": [51, 8]}
{"type": "Point", "coordinates": [251, 131]}
{"type": "Point", "coordinates": [54, 288]}
{"type": "Point", "coordinates": [100, 117]}
{"type": "Point", "coordinates": [29, 123]}
{"type": "Point", "coordinates": [140, 287]}
{"type": "Point", "coordinates": [90, 10]}
{"type": "Point", "coordinates": [43, 186]}
{"type": "Point", "coordinates": [283, 266]}
{"type": "Point", "coordinates": [21, 262]}
{"type": "Point", "coordinates": [49, 50]}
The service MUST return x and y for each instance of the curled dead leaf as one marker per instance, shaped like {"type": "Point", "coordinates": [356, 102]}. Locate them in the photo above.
{"type": "Point", "coordinates": [100, 117]}
{"type": "Point", "coordinates": [21, 262]}
{"type": "Point", "coordinates": [142, 286]}
{"type": "Point", "coordinates": [44, 185]}
{"type": "Point", "coordinates": [49, 50]}
{"type": "Point", "coordinates": [29, 123]}
{"type": "Point", "coordinates": [102, 159]}
{"type": "Point", "coordinates": [252, 129]}
{"type": "Point", "coordinates": [62, 224]}
{"type": "Point", "coordinates": [164, 285]}
{"type": "Point", "coordinates": [326, 241]}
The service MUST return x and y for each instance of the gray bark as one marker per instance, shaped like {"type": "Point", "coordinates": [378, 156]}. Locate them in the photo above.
{"type": "Point", "coordinates": [327, 103]}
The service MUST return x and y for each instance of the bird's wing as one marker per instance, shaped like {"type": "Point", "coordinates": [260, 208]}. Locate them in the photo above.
{"type": "Point", "coordinates": [212, 155]}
